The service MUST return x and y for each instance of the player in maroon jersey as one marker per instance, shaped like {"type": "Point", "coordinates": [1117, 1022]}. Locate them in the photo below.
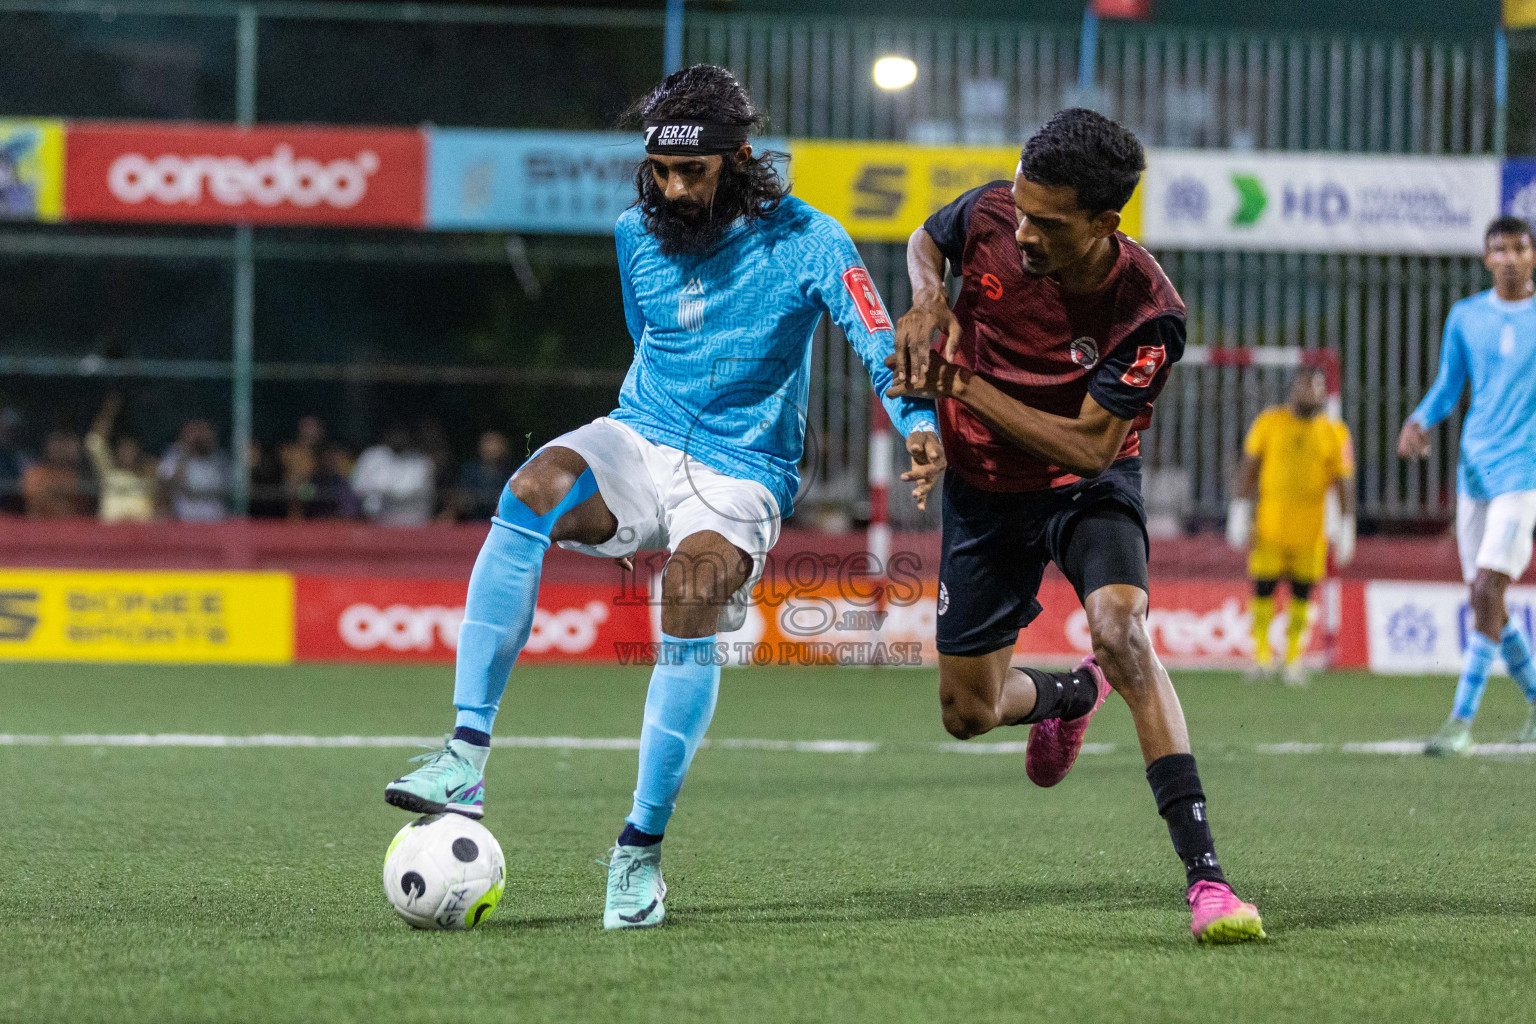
{"type": "Point", "coordinates": [1062, 336]}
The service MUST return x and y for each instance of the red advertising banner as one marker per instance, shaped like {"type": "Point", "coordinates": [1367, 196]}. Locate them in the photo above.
{"type": "Point", "coordinates": [1192, 623]}
{"type": "Point", "coordinates": [375, 619]}
{"type": "Point", "coordinates": [221, 174]}
{"type": "Point", "coordinates": [1138, 10]}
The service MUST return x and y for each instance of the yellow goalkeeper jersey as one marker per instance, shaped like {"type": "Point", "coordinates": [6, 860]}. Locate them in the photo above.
{"type": "Point", "coordinates": [1298, 460]}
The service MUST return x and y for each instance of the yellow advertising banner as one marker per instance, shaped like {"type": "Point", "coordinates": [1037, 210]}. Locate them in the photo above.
{"type": "Point", "coordinates": [164, 617]}
{"type": "Point", "coordinates": [883, 191]}
{"type": "Point", "coordinates": [31, 170]}
{"type": "Point", "coordinates": [1519, 13]}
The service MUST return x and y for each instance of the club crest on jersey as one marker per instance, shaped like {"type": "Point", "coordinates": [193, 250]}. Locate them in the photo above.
{"type": "Point", "coordinates": [862, 290]}
{"type": "Point", "coordinates": [1085, 351]}
{"type": "Point", "coordinates": [1149, 359]}
{"type": "Point", "coordinates": [690, 306]}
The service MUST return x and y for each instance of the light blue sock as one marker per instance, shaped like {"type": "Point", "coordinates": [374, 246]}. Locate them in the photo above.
{"type": "Point", "coordinates": [1474, 677]}
{"type": "Point", "coordinates": [498, 616]}
{"type": "Point", "coordinates": [1517, 655]}
{"type": "Point", "coordinates": [503, 596]}
{"type": "Point", "coordinates": [678, 707]}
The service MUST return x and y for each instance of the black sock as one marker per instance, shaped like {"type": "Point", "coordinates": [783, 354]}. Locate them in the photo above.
{"type": "Point", "coordinates": [1064, 695]}
{"type": "Point", "coordinates": [474, 737]}
{"type": "Point", "coordinates": [1176, 788]}
{"type": "Point", "coordinates": [632, 836]}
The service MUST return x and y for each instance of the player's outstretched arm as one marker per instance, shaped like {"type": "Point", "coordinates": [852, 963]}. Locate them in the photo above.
{"type": "Point", "coordinates": [1245, 485]}
{"type": "Point", "coordinates": [928, 463]}
{"type": "Point", "coordinates": [1085, 444]}
{"type": "Point", "coordinates": [930, 313]}
{"type": "Point", "coordinates": [1345, 531]}
{"type": "Point", "coordinates": [1442, 396]}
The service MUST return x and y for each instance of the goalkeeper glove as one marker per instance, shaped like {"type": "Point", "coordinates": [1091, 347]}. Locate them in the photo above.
{"type": "Point", "coordinates": [1239, 522]}
{"type": "Point", "coordinates": [1344, 543]}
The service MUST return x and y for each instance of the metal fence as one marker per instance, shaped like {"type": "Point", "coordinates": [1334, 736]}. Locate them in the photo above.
{"type": "Point", "coordinates": [1174, 87]}
{"type": "Point", "coordinates": [1180, 88]}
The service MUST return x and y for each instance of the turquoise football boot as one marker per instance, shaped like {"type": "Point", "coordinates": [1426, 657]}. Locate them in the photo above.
{"type": "Point", "coordinates": [1527, 733]}
{"type": "Point", "coordinates": [1454, 737]}
{"type": "Point", "coordinates": [448, 781]}
{"type": "Point", "coordinates": [636, 893]}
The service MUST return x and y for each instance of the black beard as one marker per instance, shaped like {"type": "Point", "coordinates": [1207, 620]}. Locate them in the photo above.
{"type": "Point", "coordinates": [685, 228]}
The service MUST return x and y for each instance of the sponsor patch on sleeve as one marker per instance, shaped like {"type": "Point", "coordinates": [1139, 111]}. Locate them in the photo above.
{"type": "Point", "coordinates": [1149, 359]}
{"type": "Point", "coordinates": [862, 290]}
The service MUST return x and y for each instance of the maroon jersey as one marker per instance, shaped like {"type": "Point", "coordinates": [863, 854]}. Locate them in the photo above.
{"type": "Point", "coordinates": [1044, 347]}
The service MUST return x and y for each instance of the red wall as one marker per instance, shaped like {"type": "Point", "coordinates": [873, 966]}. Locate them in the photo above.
{"type": "Point", "coordinates": [447, 551]}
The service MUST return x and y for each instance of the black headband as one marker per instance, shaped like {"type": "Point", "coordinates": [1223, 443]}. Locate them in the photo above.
{"type": "Point", "coordinates": [692, 138]}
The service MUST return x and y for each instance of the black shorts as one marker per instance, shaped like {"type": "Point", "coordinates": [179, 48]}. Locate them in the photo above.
{"type": "Point", "coordinates": [996, 546]}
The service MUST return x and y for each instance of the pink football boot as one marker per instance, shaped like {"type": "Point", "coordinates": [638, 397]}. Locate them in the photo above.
{"type": "Point", "coordinates": [1220, 917]}
{"type": "Point", "coordinates": [1053, 744]}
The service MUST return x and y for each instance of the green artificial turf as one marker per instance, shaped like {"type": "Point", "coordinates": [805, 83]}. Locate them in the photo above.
{"type": "Point", "coordinates": [911, 883]}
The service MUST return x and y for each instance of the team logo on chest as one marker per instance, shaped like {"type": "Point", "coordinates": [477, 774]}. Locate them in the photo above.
{"type": "Point", "coordinates": [690, 306]}
{"type": "Point", "coordinates": [1085, 351]}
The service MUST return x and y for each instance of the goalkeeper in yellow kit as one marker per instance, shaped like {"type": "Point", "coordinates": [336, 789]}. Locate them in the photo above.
{"type": "Point", "coordinates": [1293, 456]}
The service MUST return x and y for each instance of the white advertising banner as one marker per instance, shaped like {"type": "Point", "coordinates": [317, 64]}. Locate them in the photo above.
{"type": "Point", "coordinates": [1318, 202]}
{"type": "Point", "coordinates": [1422, 628]}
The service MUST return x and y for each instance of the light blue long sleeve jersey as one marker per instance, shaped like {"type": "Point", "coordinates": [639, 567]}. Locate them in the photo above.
{"type": "Point", "coordinates": [1492, 343]}
{"type": "Point", "coordinates": [723, 341]}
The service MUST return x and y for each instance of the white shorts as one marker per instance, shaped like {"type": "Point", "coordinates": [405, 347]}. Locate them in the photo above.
{"type": "Point", "coordinates": [1495, 534]}
{"type": "Point", "coordinates": [660, 495]}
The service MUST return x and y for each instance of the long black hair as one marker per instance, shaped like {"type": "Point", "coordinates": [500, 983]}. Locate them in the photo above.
{"type": "Point", "coordinates": [748, 188]}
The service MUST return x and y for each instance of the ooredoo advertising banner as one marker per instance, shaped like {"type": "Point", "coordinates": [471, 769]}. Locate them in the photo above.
{"type": "Point", "coordinates": [162, 617]}
{"type": "Point", "coordinates": [375, 619]}
{"type": "Point", "coordinates": [222, 174]}
{"type": "Point", "coordinates": [1318, 202]}
{"type": "Point", "coordinates": [1192, 623]}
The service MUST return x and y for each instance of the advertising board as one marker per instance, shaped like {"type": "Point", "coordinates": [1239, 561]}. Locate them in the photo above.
{"type": "Point", "coordinates": [1318, 202]}
{"type": "Point", "coordinates": [223, 174]}
{"type": "Point", "coordinates": [31, 170]}
{"type": "Point", "coordinates": [164, 617]}
{"type": "Point", "coordinates": [379, 619]}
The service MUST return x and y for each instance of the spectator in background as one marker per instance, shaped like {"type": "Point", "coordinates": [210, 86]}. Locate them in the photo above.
{"type": "Point", "coordinates": [395, 481]}
{"type": "Point", "coordinates": [268, 497]}
{"type": "Point", "coordinates": [197, 475]}
{"type": "Point", "coordinates": [301, 461]}
{"type": "Point", "coordinates": [54, 487]}
{"type": "Point", "coordinates": [125, 479]}
{"type": "Point", "coordinates": [13, 463]}
{"type": "Point", "coordinates": [482, 480]}
{"type": "Point", "coordinates": [432, 441]}
{"type": "Point", "coordinates": [326, 493]}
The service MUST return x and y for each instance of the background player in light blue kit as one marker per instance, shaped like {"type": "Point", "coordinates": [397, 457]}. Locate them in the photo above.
{"type": "Point", "coordinates": [724, 278]}
{"type": "Point", "coordinates": [1490, 340]}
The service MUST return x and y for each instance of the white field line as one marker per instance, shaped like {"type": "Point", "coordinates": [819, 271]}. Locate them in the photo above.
{"type": "Point", "coordinates": [1394, 747]}
{"type": "Point", "coordinates": [536, 742]}
{"type": "Point", "coordinates": [1389, 747]}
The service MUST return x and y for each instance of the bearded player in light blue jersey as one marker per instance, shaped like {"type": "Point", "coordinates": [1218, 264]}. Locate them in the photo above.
{"type": "Point", "coordinates": [1490, 341]}
{"type": "Point", "coordinates": [724, 278]}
